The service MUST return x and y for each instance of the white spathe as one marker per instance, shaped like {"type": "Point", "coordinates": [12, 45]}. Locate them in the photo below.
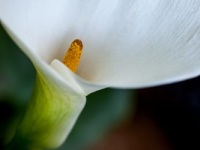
{"type": "Point", "coordinates": [133, 43]}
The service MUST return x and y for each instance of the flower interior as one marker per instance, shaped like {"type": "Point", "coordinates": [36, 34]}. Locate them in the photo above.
{"type": "Point", "coordinates": [73, 55]}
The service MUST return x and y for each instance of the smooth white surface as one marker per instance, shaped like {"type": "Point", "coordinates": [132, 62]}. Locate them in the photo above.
{"type": "Point", "coordinates": [136, 43]}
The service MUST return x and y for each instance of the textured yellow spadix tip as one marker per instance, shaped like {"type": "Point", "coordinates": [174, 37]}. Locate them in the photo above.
{"type": "Point", "coordinates": [73, 55]}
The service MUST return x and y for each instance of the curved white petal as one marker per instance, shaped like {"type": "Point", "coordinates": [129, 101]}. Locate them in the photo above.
{"type": "Point", "coordinates": [75, 80]}
{"type": "Point", "coordinates": [126, 44]}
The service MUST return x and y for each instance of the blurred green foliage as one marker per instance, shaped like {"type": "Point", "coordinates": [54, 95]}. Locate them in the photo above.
{"type": "Point", "coordinates": [17, 74]}
{"type": "Point", "coordinates": [103, 110]}
{"type": "Point", "coordinates": [17, 77]}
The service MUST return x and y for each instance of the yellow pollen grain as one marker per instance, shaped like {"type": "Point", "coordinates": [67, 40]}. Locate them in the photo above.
{"type": "Point", "coordinates": [73, 55]}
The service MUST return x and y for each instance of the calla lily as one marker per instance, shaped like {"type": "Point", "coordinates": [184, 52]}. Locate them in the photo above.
{"type": "Point", "coordinates": [127, 44]}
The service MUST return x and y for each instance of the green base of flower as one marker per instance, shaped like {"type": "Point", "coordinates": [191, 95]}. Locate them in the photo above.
{"type": "Point", "coordinates": [50, 116]}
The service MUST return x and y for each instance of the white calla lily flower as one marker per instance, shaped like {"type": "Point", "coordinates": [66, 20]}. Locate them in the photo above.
{"type": "Point", "coordinates": [127, 44]}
